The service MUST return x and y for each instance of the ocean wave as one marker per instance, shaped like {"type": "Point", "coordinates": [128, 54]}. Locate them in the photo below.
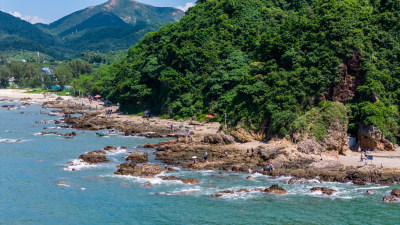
{"type": "Point", "coordinates": [11, 140]}
{"type": "Point", "coordinates": [79, 164]}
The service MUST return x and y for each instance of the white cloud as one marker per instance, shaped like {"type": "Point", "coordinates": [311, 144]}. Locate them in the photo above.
{"type": "Point", "coordinates": [186, 7]}
{"type": "Point", "coordinates": [30, 19]}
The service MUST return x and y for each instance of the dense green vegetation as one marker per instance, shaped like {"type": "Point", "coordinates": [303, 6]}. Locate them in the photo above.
{"type": "Point", "coordinates": [266, 63]}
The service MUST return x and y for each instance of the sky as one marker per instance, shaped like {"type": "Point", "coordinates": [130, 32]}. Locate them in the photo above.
{"type": "Point", "coordinates": [47, 11]}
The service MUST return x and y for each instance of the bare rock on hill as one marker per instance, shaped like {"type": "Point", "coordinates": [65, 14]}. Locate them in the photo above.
{"type": "Point", "coordinates": [138, 157]}
{"type": "Point", "coordinates": [372, 138]}
{"type": "Point", "coordinates": [324, 190]}
{"type": "Point", "coordinates": [241, 135]}
{"type": "Point", "coordinates": [144, 170]}
{"type": "Point", "coordinates": [94, 157]}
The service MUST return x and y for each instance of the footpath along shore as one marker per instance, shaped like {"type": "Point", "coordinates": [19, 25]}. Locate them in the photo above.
{"type": "Point", "coordinates": [238, 152]}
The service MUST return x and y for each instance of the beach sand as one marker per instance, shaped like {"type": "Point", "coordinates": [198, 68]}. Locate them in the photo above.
{"type": "Point", "coordinates": [19, 93]}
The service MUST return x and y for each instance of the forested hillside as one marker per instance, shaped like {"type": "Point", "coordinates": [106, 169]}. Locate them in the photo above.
{"type": "Point", "coordinates": [268, 64]}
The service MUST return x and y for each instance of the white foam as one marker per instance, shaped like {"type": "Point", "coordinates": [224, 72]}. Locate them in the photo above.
{"type": "Point", "coordinates": [11, 140]}
{"type": "Point", "coordinates": [79, 164]}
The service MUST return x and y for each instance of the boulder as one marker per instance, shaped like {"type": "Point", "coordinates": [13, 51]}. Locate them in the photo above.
{"type": "Point", "coordinates": [390, 199]}
{"type": "Point", "coordinates": [275, 189]}
{"type": "Point", "coordinates": [110, 148]}
{"type": "Point", "coordinates": [396, 193]}
{"type": "Point", "coordinates": [241, 135]}
{"type": "Point", "coordinates": [370, 137]}
{"type": "Point", "coordinates": [147, 146]}
{"type": "Point", "coordinates": [359, 182]}
{"type": "Point", "coordinates": [144, 170]}
{"type": "Point", "coordinates": [216, 196]}
{"type": "Point", "coordinates": [94, 157]}
{"type": "Point", "coordinates": [218, 139]}
{"type": "Point", "coordinates": [190, 181]}
{"type": "Point", "coordinates": [170, 169]}
{"type": "Point", "coordinates": [138, 157]}
{"type": "Point", "coordinates": [324, 190]}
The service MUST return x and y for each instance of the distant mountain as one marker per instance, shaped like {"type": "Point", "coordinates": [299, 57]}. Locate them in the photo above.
{"type": "Point", "coordinates": [17, 34]}
{"type": "Point", "coordinates": [130, 11]}
{"type": "Point", "coordinates": [114, 25]}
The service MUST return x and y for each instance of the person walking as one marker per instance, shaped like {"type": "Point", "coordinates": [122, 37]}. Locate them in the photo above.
{"type": "Point", "coordinates": [205, 156]}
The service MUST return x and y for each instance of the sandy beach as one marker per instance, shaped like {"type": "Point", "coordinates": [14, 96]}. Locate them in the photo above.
{"type": "Point", "coordinates": [19, 93]}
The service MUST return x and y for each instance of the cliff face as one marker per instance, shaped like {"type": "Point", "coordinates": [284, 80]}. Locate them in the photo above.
{"type": "Point", "coordinates": [351, 77]}
{"type": "Point", "coordinates": [323, 130]}
{"type": "Point", "coordinates": [369, 137]}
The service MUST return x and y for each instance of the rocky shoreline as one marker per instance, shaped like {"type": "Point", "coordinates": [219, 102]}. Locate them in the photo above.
{"type": "Point", "coordinates": [306, 159]}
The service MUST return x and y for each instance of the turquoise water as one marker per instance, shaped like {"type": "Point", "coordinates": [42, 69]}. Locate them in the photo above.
{"type": "Point", "coordinates": [38, 187]}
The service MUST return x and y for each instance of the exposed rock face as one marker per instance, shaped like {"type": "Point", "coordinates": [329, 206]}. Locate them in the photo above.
{"type": "Point", "coordinates": [324, 190]}
{"type": "Point", "coordinates": [94, 157]}
{"type": "Point", "coordinates": [370, 137]}
{"type": "Point", "coordinates": [145, 170]}
{"type": "Point", "coordinates": [350, 78]}
{"type": "Point", "coordinates": [241, 135]}
{"type": "Point", "coordinates": [219, 139]}
{"type": "Point", "coordinates": [275, 189]}
{"type": "Point", "coordinates": [138, 157]}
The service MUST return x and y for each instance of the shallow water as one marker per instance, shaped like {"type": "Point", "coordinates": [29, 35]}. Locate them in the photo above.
{"type": "Point", "coordinates": [38, 187]}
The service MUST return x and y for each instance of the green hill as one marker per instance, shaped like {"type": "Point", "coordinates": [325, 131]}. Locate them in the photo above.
{"type": "Point", "coordinates": [268, 64]}
{"type": "Point", "coordinates": [131, 12]}
{"type": "Point", "coordinates": [16, 34]}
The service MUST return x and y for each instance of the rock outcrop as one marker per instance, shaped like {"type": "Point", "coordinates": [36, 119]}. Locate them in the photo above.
{"type": "Point", "coordinates": [275, 189]}
{"type": "Point", "coordinates": [394, 196]}
{"type": "Point", "coordinates": [144, 170]}
{"type": "Point", "coordinates": [324, 190]}
{"type": "Point", "coordinates": [138, 157]}
{"type": "Point", "coordinates": [218, 139]}
{"type": "Point", "coordinates": [241, 135]}
{"type": "Point", "coordinates": [370, 137]}
{"type": "Point", "coordinates": [94, 157]}
{"type": "Point", "coordinates": [184, 180]}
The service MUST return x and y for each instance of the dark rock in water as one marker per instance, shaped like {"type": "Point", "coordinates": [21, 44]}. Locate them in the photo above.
{"type": "Point", "coordinates": [216, 196]}
{"type": "Point", "coordinates": [170, 178]}
{"type": "Point", "coordinates": [243, 190]}
{"type": "Point", "coordinates": [145, 170]}
{"type": "Point", "coordinates": [147, 146]}
{"type": "Point", "coordinates": [369, 192]}
{"type": "Point", "coordinates": [138, 157]}
{"type": "Point", "coordinates": [110, 148]}
{"type": "Point", "coordinates": [185, 181]}
{"type": "Point", "coordinates": [167, 168]}
{"type": "Point", "coordinates": [390, 199]}
{"type": "Point", "coordinates": [324, 190]}
{"type": "Point", "coordinates": [250, 178]}
{"type": "Point", "coordinates": [227, 192]}
{"type": "Point", "coordinates": [190, 181]}
{"type": "Point", "coordinates": [94, 157]}
{"type": "Point", "coordinates": [275, 189]}
{"type": "Point", "coordinates": [359, 182]}
{"type": "Point", "coordinates": [395, 192]}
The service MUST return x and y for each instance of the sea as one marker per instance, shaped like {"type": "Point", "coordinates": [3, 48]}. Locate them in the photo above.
{"type": "Point", "coordinates": [39, 186]}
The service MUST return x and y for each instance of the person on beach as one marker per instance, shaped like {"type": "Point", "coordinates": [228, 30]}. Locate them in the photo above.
{"type": "Point", "coordinates": [268, 169]}
{"type": "Point", "coordinates": [381, 165]}
{"type": "Point", "coordinates": [194, 159]}
{"type": "Point", "coordinates": [362, 157]}
{"type": "Point", "coordinates": [205, 156]}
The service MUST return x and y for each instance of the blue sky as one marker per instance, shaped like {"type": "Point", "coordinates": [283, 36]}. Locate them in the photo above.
{"type": "Point", "coordinates": [48, 11]}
